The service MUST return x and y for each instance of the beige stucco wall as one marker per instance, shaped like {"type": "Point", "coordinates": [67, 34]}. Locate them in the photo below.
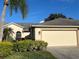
{"type": "Point", "coordinates": [64, 36]}
{"type": "Point", "coordinates": [38, 33]}
{"type": "Point", "coordinates": [78, 37]}
{"type": "Point", "coordinates": [17, 28]}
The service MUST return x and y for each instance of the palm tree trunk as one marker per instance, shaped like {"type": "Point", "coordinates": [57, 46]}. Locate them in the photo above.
{"type": "Point", "coordinates": [2, 21]}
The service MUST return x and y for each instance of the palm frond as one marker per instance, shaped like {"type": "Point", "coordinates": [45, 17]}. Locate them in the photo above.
{"type": "Point", "coordinates": [18, 4]}
{"type": "Point", "coordinates": [22, 5]}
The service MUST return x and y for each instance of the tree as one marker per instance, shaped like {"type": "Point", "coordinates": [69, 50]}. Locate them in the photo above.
{"type": "Point", "coordinates": [7, 34]}
{"type": "Point", "coordinates": [54, 16]}
{"type": "Point", "coordinates": [13, 5]}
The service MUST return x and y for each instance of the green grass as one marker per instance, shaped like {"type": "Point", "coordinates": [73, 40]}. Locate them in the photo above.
{"type": "Point", "coordinates": [31, 55]}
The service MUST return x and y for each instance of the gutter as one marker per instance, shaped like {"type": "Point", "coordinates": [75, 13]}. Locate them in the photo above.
{"type": "Point", "coordinates": [49, 26]}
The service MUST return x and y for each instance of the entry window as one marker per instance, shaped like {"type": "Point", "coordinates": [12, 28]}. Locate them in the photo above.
{"type": "Point", "coordinates": [18, 35]}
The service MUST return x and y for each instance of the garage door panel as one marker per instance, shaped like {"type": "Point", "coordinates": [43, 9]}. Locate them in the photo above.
{"type": "Point", "coordinates": [60, 38]}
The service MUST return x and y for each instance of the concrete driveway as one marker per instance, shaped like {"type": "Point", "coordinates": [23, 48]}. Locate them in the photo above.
{"type": "Point", "coordinates": [65, 52]}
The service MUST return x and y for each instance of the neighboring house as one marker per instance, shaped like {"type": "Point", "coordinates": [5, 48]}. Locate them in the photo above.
{"type": "Point", "coordinates": [21, 30]}
{"type": "Point", "coordinates": [58, 32]}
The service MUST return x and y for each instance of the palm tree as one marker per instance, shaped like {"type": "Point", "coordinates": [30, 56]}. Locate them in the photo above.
{"type": "Point", "coordinates": [13, 5]}
{"type": "Point", "coordinates": [7, 34]}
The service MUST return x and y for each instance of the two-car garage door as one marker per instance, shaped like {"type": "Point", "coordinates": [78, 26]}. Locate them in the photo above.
{"type": "Point", "coordinates": [60, 38]}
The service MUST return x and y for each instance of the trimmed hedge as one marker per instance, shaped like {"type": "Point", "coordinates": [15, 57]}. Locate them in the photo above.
{"type": "Point", "coordinates": [29, 45]}
{"type": "Point", "coordinates": [5, 48]}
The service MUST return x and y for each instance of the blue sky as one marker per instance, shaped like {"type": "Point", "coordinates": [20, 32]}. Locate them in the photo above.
{"type": "Point", "coordinates": [38, 10]}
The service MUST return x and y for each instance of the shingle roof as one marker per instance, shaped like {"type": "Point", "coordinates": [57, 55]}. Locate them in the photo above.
{"type": "Point", "coordinates": [25, 25]}
{"type": "Point", "coordinates": [62, 21]}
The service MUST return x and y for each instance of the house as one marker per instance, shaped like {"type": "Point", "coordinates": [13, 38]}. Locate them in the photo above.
{"type": "Point", "coordinates": [21, 30]}
{"type": "Point", "coordinates": [58, 32]}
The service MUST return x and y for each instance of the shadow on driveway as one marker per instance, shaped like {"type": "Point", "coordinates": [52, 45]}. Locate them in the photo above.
{"type": "Point", "coordinates": [65, 52]}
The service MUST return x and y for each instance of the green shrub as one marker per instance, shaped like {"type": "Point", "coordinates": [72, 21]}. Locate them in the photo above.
{"type": "Point", "coordinates": [41, 45]}
{"type": "Point", "coordinates": [5, 48]}
{"type": "Point", "coordinates": [38, 45]}
{"type": "Point", "coordinates": [24, 45]}
{"type": "Point", "coordinates": [29, 45]}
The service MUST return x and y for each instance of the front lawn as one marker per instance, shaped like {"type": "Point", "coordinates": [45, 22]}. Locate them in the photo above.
{"type": "Point", "coordinates": [31, 55]}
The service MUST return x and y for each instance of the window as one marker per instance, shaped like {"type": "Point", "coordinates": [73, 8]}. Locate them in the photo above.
{"type": "Point", "coordinates": [18, 35]}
